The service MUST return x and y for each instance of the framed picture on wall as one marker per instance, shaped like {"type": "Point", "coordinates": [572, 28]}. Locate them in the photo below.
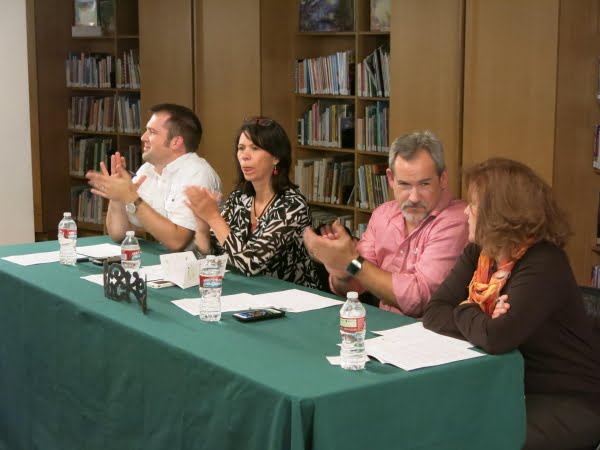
{"type": "Point", "coordinates": [326, 15]}
{"type": "Point", "coordinates": [86, 13]}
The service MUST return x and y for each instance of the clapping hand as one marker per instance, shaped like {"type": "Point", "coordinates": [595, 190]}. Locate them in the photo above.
{"type": "Point", "coordinates": [116, 185]}
{"type": "Point", "coordinates": [203, 203]}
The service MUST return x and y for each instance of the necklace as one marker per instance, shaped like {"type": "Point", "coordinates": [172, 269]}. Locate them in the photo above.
{"type": "Point", "coordinates": [258, 216]}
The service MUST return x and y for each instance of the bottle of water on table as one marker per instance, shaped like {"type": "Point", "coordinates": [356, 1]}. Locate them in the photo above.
{"type": "Point", "coordinates": [211, 282]}
{"type": "Point", "coordinates": [131, 255]}
{"type": "Point", "coordinates": [67, 239]}
{"type": "Point", "coordinates": [353, 325]}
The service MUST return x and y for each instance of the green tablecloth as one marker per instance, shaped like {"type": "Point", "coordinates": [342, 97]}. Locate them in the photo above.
{"type": "Point", "coordinates": [78, 371]}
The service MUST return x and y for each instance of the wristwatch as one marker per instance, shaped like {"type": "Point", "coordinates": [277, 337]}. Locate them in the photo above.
{"type": "Point", "coordinates": [355, 265]}
{"type": "Point", "coordinates": [132, 207]}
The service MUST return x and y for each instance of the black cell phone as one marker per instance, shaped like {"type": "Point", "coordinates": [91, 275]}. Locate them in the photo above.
{"type": "Point", "coordinates": [252, 315]}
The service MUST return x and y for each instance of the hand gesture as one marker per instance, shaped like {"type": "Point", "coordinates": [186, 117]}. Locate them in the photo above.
{"type": "Point", "coordinates": [501, 307]}
{"type": "Point", "coordinates": [334, 248]}
{"type": "Point", "coordinates": [203, 203]}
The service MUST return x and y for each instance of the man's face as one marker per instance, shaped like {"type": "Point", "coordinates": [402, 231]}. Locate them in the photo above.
{"type": "Point", "coordinates": [156, 144]}
{"type": "Point", "coordinates": [417, 186]}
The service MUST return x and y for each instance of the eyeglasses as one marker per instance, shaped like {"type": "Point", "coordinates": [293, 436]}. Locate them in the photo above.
{"type": "Point", "coordinates": [260, 121]}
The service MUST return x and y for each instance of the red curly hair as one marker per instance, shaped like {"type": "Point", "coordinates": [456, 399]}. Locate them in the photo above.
{"type": "Point", "coordinates": [515, 206]}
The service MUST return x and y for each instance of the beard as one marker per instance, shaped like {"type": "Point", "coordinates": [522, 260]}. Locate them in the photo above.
{"type": "Point", "coordinates": [414, 218]}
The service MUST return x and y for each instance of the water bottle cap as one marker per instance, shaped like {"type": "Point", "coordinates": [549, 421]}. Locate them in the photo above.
{"type": "Point", "coordinates": [130, 233]}
{"type": "Point", "coordinates": [210, 257]}
{"type": "Point", "coordinates": [352, 294]}
{"type": "Point", "coordinates": [67, 214]}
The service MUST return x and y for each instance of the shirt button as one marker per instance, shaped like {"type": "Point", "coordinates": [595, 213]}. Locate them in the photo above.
{"type": "Point", "coordinates": [402, 252]}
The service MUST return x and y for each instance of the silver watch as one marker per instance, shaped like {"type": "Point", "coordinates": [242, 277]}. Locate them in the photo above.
{"type": "Point", "coordinates": [132, 207]}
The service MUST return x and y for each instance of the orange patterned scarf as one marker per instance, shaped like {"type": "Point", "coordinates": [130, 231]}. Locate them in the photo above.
{"type": "Point", "coordinates": [485, 289]}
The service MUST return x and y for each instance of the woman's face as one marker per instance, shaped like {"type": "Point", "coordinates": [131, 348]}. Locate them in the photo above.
{"type": "Point", "coordinates": [471, 211]}
{"type": "Point", "coordinates": [257, 164]}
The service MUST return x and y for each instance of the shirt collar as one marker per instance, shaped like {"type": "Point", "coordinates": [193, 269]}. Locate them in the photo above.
{"type": "Point", "coordinates": [175, 165]}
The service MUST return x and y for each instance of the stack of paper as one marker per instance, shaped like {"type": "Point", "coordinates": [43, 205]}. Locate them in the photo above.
{"type": "Point", "coordinates": [412, 347]}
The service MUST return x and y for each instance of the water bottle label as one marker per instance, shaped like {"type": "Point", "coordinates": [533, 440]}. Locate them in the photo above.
{"type": "Point", "coordinates": [352, 325]}
{"type": "Point", "coordinates": [68, 234]}
{"type": "Point", "coordinates": [131, 255]}
{"type": "Point", "coordinates": [211, 281]}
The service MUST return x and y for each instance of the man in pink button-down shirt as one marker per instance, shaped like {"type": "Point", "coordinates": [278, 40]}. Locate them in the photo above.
{"type": "Point", "coordinates": [411, 243]}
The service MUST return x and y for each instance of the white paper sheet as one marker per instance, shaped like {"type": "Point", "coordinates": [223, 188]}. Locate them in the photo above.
{"type": "Point", "coordinates": [413, 347]}
{"type": "Point", "coordinates": [100, 250]}
{"type": "Point", "coordinates": [33, 258]}
{"type": "Point", "coordinates": [235, 302]}
{"type": "Point", "coordinates": [294, 300]}
{"type": "Point", "coordinates": [417, 331]}
{"type": "Point", "coordinates": [151, 272]}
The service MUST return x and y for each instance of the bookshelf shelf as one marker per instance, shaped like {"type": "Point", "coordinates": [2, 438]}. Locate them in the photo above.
{"type": "Point", "coordinates": [326, 96]}
{"type": "Point", "coordinates": [597, 171]}
{"type": "Point", "coordinates": [332, 205]}
{"type": "Point", "coordinates": [596, 248]}
{"type": "Point", "coordinates": [325, 33]}
{"type": "Point", "coordinates": [369, 153]}
{"type": "Point", "coordinates": [356, 66]}
{"type": "Point", "coordinates": [350, 151]}
{"type": "Point", "coordinates": [374, 33]}
{"type": "Point", "coordinates": [94, 38]}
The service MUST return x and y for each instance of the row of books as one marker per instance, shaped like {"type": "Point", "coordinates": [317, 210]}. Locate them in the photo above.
{"type": "Point", "coordinates": [326, 75]}
{"type": "Point", "coordinates": [325, 180]}
{"type": "Point", "coordinates": [128, 70]}
{"type": "Point", "coordinates": [371, 186]}
{"type": "Point", "coordinates": [97, 70]}
{"type": "Point", "coordinates": [373, 130]}
{"type": "Point", "coordinates": [86, 206]}
{"type": "Point", "coordinates": [92, 70]}
{"type": "Point", "coordinates": [330, 124]}
{"type": "Point", "coordinates": [105, 114]}
{"type": "Point", "coordinates": [327, 124]}
{"type": "Point", "coordinates": [86, 153]}
{"type": "Point", "coordinates": [373, 74]}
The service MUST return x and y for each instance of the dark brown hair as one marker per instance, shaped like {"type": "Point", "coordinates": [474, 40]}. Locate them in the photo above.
{"type": "Point", "coordinates": [515, 206]}
{"type": "Point", "coordinates": [270, 136]}
{"type": "Point", "coordinates": [182, 122]}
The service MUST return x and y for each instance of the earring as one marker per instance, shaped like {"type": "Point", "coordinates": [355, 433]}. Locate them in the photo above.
{"type": "Point", "coordinates": [275, 172]}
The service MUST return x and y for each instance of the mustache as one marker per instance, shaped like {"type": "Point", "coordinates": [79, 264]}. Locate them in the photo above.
{"type": "Point", "coordinates": [408, 204]}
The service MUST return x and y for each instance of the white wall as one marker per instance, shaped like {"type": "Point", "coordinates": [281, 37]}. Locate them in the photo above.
{"type": "Point", "coordinates": [16, 192]}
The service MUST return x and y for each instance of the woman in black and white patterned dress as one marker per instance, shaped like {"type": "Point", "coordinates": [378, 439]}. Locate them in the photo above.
{"type": "Point", "coordinates": [262, 222]}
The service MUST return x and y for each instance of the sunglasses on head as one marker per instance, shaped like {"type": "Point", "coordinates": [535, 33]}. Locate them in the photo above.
{"type": "Point", "coordinates": [260, 121]}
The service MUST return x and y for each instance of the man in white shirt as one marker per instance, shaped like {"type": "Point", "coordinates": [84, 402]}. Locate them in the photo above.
{"type": "Point", "coordinates": [154, 198]}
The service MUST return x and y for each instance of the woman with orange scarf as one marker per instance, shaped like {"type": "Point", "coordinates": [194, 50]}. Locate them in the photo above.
{"type": "Point", "coordinates": [512, 289]}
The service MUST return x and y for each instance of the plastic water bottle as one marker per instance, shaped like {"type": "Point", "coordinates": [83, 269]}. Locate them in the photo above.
{"type": "Point", "coordinates": [211, 282]}
{"type": "Point", "coordinates": [67, 238]}
{"type": "Point", "coordinates": [353, 326]}
{"type": "Point", "coordinates": [131, 255]}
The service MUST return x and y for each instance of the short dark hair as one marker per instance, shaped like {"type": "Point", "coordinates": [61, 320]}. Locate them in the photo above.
{"type": "Point", "coordinates": [182, 122]}
{"type": "Point", "coordinates": [270, 136]}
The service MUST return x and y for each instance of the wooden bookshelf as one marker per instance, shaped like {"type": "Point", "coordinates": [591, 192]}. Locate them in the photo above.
{"type": "Point", "coordinates": [53, 43]}
{"type": "Point", "coordinates": [360, 42]}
